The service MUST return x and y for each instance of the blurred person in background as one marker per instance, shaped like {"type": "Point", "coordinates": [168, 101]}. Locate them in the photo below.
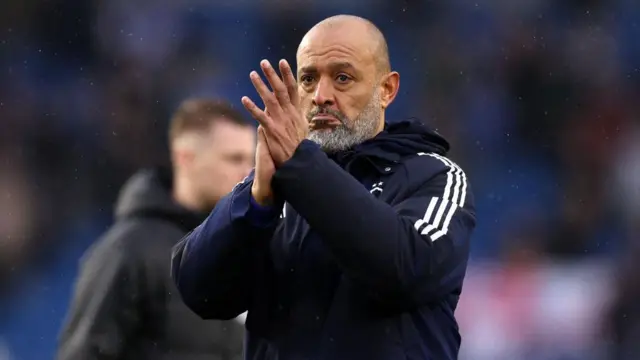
{"type": "Point", "coordinates": [350, 239]}
{"type": "Point", "coordinates": [125, 305]}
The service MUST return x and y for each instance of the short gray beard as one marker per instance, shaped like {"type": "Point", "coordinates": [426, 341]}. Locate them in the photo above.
{"type": "Point", "coordinates": [349, 133]}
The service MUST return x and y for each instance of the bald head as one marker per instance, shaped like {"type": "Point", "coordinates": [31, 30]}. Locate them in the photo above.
{"type": "Point", "coordinates": [346, 26]}
{"type": "Point", "coordinates": [345, 81]}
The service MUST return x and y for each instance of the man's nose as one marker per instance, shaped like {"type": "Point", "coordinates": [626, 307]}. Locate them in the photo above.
{"type": "Point", "coordinates": [323, 96]}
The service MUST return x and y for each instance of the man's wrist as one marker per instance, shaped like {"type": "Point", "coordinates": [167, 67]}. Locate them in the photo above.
{"type": "Point", "coordinates": [263, 212]}
{"type": "Point", "coordinates": [259, 197]}
{"type": "Point", "coordinates": [260, 206]}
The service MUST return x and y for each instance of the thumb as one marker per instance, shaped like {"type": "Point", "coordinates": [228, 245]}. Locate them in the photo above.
{"type": "Point", "coordinates": [262, 154]}
{"type": "Point", "coordinates": [262, 138]}
{"type": "Point", "coordinates": [261, 135]}
{"type": "Point", "coordinates": [262, 141]}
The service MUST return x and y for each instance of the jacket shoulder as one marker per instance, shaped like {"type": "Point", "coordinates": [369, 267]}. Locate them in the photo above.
{"type": "Point", "coordinates": [141, 234]}
{"type": "Point", "coordinates": [430, 173]}
{"type": "Point", "coordinates": [127, 239]}
{"type": "Point", "coordinates": [424, 166]}
{"type": "Point", "coordinates": [129, 247]}
{"type": "Point", "coordinates": [119, 241]}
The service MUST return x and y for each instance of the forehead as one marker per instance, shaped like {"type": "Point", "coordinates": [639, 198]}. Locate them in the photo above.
{"type": "Point", "coordinates": [227, 136]}
{"type": "Point", "coordinates": [334, 46]}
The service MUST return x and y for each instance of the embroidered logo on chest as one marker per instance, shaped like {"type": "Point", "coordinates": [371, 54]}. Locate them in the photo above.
{"type": "Point", "coordinates": [376, 188]}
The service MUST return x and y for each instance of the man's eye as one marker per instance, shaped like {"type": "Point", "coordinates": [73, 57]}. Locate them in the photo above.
{"type": "Point", "coordinates": [306, 79]}
{"type": "Point", "coordinates": [235, 159]}
{"type": "Point", "coordinates": [342, 78]}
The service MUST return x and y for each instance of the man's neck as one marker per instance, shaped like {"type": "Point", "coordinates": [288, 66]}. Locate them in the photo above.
{"type": "Point", "coordinates": [183, 195]}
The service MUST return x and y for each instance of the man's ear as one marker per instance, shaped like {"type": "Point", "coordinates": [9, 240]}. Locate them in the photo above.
{"type": "Point", "coordinates": [390, 84]}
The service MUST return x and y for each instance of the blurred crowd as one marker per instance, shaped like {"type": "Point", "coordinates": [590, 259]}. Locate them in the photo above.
{"type": "Point", "coordinates": [539, 99]}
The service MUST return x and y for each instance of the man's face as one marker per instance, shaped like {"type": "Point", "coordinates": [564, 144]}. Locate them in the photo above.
{"type": "Point", "coordinates": [339, 89]}
{"type": "Point", "coordinates": [224, 158]}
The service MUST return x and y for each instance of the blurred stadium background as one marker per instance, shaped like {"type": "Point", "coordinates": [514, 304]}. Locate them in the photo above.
{"type": "Point", "coordinates": [540, 99]}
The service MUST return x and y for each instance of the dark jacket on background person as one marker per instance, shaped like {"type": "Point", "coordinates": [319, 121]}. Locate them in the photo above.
{"type": "Point", "coordinates": [125, 305]}
{"type": "Point", "coordinates": [365, 261]}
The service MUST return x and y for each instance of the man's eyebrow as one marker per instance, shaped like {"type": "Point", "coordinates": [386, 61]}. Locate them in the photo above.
{"type": "Point", "coordinates": [341, 65]}
{"type": "Point", "coordinates": [307, 70]}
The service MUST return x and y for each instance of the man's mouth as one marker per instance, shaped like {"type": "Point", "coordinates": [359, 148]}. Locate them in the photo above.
{"type": "Point", "coordinates": [320, 121]}
{"type": "Point", "coordinates": [325, 118]}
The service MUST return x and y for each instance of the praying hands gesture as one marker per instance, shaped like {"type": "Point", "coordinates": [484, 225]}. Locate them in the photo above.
{"type": "Point", "coordinates": [282, 126]}
{"type": "Point", "coordinates": [282, 122]}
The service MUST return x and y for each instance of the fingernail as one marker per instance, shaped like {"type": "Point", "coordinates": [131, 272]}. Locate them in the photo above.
{"type": "Point", "coordinates": [253, 74]}
{"type": "Point", "coordinates": [265, 63]}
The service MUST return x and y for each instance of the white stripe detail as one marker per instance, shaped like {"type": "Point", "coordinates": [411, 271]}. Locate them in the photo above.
{"type": "Point", "coordinates": [445, 226]}
{"type": "Point", "coordinates": [427, 214]}
{"type": "Point", "coordinates": [444, 204]}
{"type": "Point", "coordinates": [456, 184]}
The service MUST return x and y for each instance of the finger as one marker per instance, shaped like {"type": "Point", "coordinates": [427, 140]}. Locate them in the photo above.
{"type": "Point", "coordinates": [255, 112]}
{"type": "Point", "coordinates": [262, 139]}
{"type": "Point", "coordinates": [289, 81]}
{"type": "Point", "coordinates": [276, 83]}
{"type": "Point", "coordinates": [267, 96]}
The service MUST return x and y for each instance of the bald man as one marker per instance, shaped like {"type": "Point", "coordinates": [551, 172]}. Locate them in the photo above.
{"type": "Point", "coordinates": [350, 238]}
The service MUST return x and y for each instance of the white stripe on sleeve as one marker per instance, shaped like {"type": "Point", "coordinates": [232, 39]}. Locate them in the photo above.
{"type": "Point", "coordinates": [453, 197]}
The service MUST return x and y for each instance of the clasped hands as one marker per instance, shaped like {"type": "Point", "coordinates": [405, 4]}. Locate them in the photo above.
{"type": "Point", "coordinates": [282, 125]}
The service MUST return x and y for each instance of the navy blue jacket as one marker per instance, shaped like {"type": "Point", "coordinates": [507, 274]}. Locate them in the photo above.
{"type": "Point", "coordinates": [365, 260]}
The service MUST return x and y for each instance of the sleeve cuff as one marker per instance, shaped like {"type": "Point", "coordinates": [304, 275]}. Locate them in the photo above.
{"type": "Point", "coordinates": [244, 205]}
